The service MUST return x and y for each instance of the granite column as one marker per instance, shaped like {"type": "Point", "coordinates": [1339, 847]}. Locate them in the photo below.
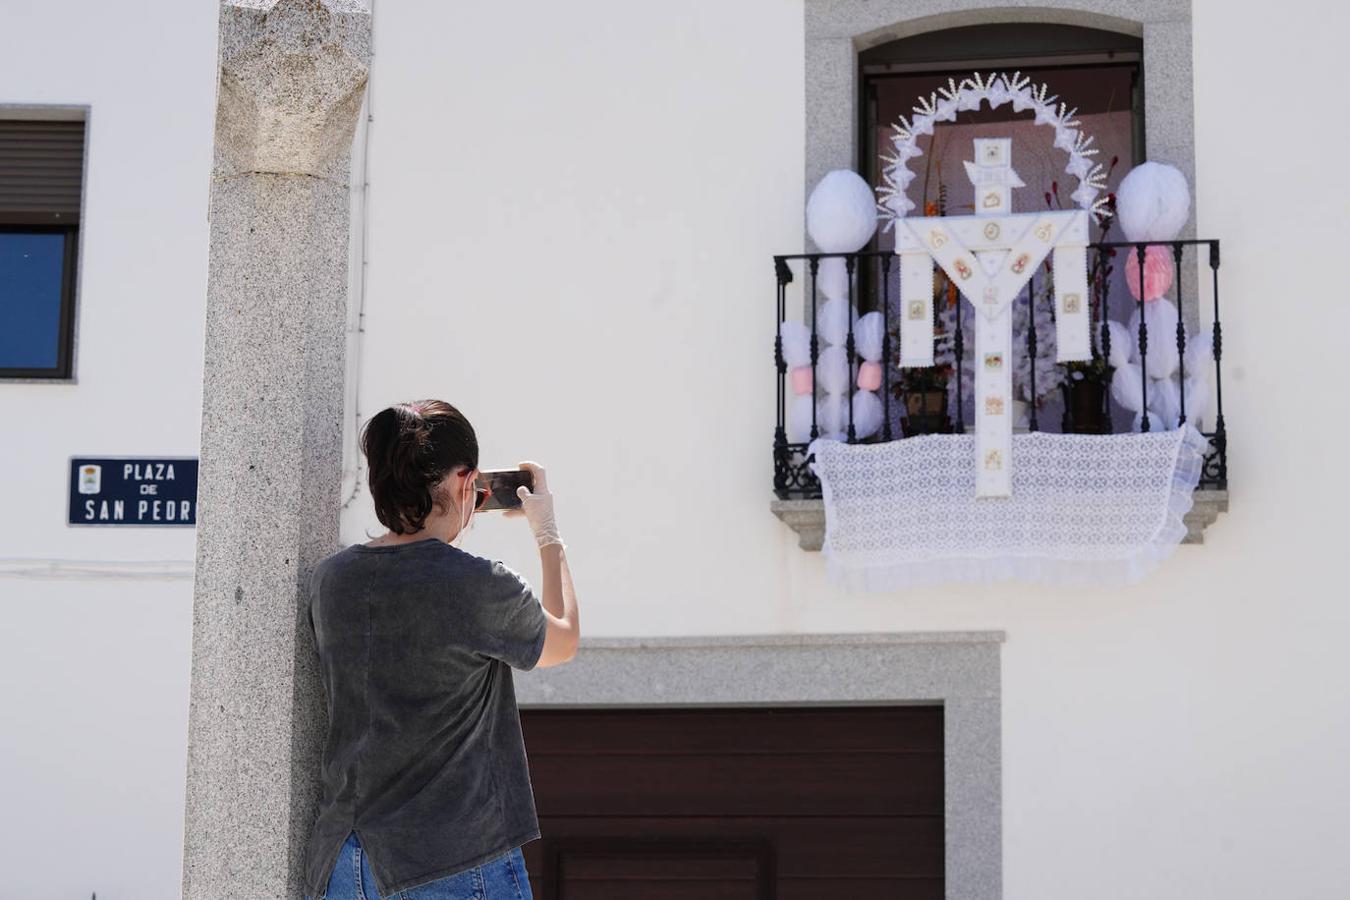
{"type": "Point", "coordinates": [291, 80]}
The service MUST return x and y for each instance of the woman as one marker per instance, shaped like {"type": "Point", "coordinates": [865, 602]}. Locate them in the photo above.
{"type": "Point", "coordinates": [426, 793]}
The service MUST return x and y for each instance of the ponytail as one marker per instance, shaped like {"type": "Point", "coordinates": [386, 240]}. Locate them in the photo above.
{"type": "Point", "coordinates": [409, 448]}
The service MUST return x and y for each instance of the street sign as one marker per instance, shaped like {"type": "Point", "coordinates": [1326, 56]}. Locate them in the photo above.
{"type": "Point", "coordinates": [133, 490]}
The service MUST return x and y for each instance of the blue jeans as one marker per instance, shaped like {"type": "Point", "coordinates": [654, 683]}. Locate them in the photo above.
{"type": "Point", "coordinates": [502, 878]}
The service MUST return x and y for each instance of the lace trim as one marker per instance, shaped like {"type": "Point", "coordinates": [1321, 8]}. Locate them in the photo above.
{"type": "Point", "coordinates": [1087, 509]}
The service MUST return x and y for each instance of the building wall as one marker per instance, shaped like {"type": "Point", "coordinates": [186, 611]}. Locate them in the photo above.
{"type": "Point", "coordinates": [94, 670]}
{"type": "Point", "coordinates": [570, 220]}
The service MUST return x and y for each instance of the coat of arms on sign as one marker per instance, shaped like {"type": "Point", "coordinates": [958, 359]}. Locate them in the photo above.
{"type": "Point", "coordinates": [90, 479]}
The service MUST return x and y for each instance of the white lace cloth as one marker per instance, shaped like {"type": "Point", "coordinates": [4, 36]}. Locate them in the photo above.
{"type": "Point", "coordinates": [1085, 509]}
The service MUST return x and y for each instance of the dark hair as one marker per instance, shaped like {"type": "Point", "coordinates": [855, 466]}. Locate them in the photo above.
{"type": "Point", "coordinates": [409, 448]}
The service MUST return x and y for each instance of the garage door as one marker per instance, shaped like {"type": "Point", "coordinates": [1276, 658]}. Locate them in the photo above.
{"type": "Point", "coordinates": [736, 804]}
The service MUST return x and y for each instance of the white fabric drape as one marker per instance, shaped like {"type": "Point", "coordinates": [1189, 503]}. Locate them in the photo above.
{"type": "Point", "coordinates": [1085, 509]}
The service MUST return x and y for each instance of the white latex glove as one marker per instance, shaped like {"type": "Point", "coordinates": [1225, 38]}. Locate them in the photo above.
{"type": "Point", "coordinates": [537, 506]}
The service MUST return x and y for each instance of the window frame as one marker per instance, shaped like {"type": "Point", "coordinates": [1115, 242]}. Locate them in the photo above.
{"type": "Point", "coordinates": [66, 322]}
{"type": "Point", "coordinates": [836, 33]}
{"type": "Point", "coordinates": [54, 223]}
{"type": "Point", "coordinates": [996, 47]}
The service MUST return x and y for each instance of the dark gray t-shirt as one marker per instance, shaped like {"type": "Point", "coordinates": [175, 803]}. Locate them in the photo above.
{"type": "Point", "coordinates": [424, 758]}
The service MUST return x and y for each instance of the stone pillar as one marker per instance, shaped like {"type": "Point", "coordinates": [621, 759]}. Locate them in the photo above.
{"type": "Point", "coordinates": [292, 75]}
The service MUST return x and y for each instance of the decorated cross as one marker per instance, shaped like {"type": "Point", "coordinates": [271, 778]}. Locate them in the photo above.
{"type": "Point", "coordinates": [990, 256]}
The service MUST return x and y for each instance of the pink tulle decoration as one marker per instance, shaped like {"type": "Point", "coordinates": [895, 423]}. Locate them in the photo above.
{"type": "Point", "coordinates": [801, 380]}
{"type": "Point", "coordinates": [1158, 271]}
{"type": "Point", "coordinates": [869, 376]}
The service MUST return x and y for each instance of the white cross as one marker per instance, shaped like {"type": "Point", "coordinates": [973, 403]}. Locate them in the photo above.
{"type": "Point", "coordinates": [989, 257]}
{"type": "Point", "coordinates": [993, 178]}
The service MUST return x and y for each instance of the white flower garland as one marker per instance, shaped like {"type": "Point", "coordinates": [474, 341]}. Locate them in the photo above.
{"type": "Point", "coordinates": [943, 105]}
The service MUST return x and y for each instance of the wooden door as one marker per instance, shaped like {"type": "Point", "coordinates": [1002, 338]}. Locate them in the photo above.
{"type": "Point", "coordinates": [737, 803]}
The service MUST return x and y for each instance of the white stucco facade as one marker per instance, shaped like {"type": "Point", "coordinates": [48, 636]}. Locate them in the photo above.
{"type": "Point", "coordinates": [568, 230]}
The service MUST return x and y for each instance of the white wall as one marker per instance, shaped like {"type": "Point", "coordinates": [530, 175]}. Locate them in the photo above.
{"type": "Point", "coordinates": [577, 252]}
{"type": "Point", "coordinates": [571, 217]}
{"type": "Point", "coordinates": [94, 671]}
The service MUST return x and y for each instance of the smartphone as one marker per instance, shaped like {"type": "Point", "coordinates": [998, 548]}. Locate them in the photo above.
{"type": "Point", "coordinates": [501, 485]}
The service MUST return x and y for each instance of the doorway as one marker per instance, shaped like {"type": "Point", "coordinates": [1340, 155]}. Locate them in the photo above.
{"type": "Point", "coordinates": [744, 803]}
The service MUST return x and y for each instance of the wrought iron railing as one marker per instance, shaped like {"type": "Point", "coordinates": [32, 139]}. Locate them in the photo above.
{"type": "Point", "coordinates": [870, 280]}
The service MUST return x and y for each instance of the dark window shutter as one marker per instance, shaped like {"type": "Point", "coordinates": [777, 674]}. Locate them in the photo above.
{"type": "Point", "coordinates": [41, 167]}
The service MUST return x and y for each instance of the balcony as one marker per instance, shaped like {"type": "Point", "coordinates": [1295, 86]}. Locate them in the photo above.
{"type": "Point", "coordinates": [1070, 398]}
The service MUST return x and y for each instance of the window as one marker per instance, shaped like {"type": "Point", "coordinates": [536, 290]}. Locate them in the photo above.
{"type": "Point", "coordinates": [865, 68]}
{"type": "Point", "coordinates": [1098, 70]}
{"type": "Point", "coordinates": [41, 175]}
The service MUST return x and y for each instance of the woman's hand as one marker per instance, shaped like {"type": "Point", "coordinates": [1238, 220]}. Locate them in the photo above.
{"type": "Point", "coordinates": [558, 596]}
{"type": "Point", "coordinates": [537, 506]}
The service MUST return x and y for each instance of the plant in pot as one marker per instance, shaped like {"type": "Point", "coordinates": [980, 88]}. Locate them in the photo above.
{"type": "Point", "coordinates": [1086, 387]}
{"type": "Point", "coordinates": [923, 393]}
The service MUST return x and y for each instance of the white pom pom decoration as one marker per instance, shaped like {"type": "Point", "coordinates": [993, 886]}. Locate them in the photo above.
{"type": "Point", "coordinates": [832, 318]}
{"type": "Point", "coordinates": [1122, 345]}
{"type": "Point", "coordinates": [1126, 389]}
{"type": "Point", "coordinates": [1164, 399]}
{"type": "Point", "coordinates": [1163, 356]}
{"type": "Point", "coordinates": [866, 414]}
{"type": "Point", "coordinates": [1153, 202]}
{"type": "Point", "coordinates": [867, 335]}
{"type": "Point", "coordinates": [796, 344]}
{"type": "Point", "coordinates": [1161, 318]}
{"type": "Point", "coordinates": [1198, 399]}
{"type": "Point", "coordinates": [1155, 424]}
{"type": "Point", "coordinates": [1199, 353]}
{"type": "Point", "coordinates": [832, 370]}
{"type": "Point", "coordinates": [841, 213]}
{"type": "Point", "coordinates": [832, 278]}
{"type": "Point", "coordinates": [832, 416]}
{"type": "Point", "coordinates": [799, 420]}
